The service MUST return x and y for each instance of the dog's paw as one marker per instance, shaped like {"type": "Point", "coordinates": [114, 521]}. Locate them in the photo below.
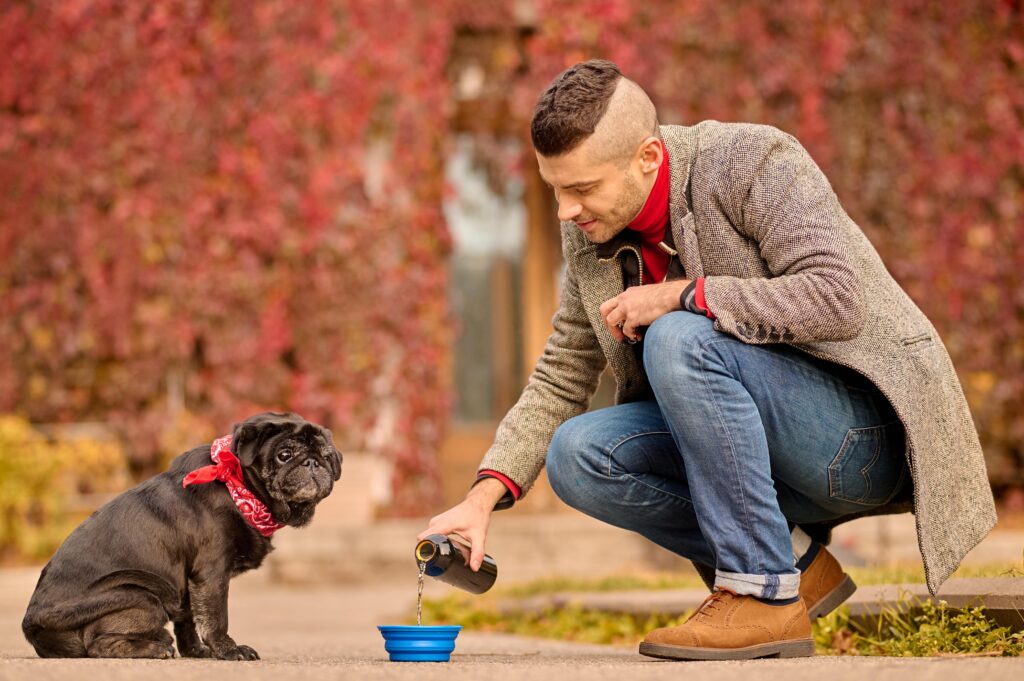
{"type": "Point", "coordinates": [248, 653]}
{"type": "Point", "coordinates": [199, 650]}
{"type": "Point", "coordinates": [237, 653]}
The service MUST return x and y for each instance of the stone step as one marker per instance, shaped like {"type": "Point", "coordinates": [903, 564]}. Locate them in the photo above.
{"type": "Point", "coordinates": [344, 542]}
{"type": "Point", "coordinates": [1002, 598]}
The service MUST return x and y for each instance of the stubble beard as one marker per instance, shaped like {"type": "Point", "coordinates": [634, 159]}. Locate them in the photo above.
{"type": "Point", "coordinates": [625, 210]}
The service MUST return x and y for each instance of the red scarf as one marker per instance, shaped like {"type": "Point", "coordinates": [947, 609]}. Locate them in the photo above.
{"type": "Point", "coordinates": [651, 224]}
{"type": "Point", "coordinates": [228, 470]}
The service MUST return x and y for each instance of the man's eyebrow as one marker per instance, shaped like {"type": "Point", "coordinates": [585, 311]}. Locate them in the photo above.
{"type": "Point", "coordinates": [574, 185]}
{"type": "Point", "coordinates": [582, 183]}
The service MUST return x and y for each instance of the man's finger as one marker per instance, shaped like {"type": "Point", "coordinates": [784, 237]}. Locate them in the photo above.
{"type": "Point", "coordinates": [608, 305]}
{"type": "Point", "coordinates": [614, 322]}
{"type": "Point", "coordinates": [476, 552]}
{"type": "Point", "coordinates": [435, 528]}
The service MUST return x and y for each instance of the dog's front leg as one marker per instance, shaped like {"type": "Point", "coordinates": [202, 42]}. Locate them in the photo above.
{"type": "Point", "coordinates": [208, 592]}
{"type": "Point", "coordinates": [189, 643]}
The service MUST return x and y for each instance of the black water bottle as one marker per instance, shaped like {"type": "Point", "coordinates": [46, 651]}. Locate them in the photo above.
{"type": "Point", "coordinates": [447, 560]}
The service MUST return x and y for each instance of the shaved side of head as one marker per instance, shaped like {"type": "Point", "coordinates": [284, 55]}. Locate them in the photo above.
{"type": "Point", "coordinates": [629, 120]}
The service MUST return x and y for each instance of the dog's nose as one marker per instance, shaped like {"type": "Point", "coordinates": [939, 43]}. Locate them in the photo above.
{"type": "Point", "coordinates": [311, 463]}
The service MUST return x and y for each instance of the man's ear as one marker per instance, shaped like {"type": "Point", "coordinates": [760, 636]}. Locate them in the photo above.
{"type": "Point", "coordinates": [652, 154]}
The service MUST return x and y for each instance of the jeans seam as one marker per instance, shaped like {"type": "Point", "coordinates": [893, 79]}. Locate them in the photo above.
{"type": "Point", "coordinates": [611, 450]}
{"type": "Point", "coordinates": [637, 480]}
{"type": "Point", "coordinates": [803, 366]}
{"type": "Point", "coordinates": [704, 346]}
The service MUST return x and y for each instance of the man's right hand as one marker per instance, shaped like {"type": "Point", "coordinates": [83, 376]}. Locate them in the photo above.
{"type": "Point", "coordinates": [470, 518]}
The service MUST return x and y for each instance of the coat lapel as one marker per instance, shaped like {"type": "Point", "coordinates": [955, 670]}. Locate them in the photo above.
{"type": "Point", "coordinates": [603, 281]}
{"type": "Point", "coordinates": [680, 145]}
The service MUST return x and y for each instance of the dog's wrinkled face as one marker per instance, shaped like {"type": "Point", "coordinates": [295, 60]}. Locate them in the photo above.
{"type": "Point", "coordinates": [288, 462]}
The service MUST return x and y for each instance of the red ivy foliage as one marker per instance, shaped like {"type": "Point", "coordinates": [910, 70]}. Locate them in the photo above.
{"type": "Point", "coordinates": [185, 192]}
{"type": "Point", "coordinates": [915, 111]}
{"type": "Point", "coordinates": [248, 194]}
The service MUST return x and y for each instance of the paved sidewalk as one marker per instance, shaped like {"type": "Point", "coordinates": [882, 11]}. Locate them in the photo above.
{"type": "Point", "coordinates": [329, 632]}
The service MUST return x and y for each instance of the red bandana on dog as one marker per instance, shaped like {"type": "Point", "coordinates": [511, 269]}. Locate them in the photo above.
{"type": "Point", "coordinates": [227, 469]}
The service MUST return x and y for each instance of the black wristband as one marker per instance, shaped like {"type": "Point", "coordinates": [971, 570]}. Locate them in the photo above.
{"type": "Point", "coordinates": [507, 500]}
{"type": "Point", "coordinates": [688, 299]}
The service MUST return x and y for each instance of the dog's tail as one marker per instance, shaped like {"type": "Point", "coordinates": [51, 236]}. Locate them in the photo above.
{"type": "Point", "coordinates": [104, 596]}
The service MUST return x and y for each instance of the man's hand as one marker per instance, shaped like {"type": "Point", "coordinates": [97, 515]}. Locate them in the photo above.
{"type": "Point", "coordinates": [640, 306]}
{"type": "Point", "coordinates": [470, 518]}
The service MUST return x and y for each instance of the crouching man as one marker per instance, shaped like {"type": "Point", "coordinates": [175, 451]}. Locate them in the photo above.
{"type": "Point", "coordinates": [773, 380]}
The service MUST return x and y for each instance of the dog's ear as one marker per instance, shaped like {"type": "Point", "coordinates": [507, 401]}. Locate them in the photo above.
{"type": "Point", "coordinates": [245, 442]}
{"type": "Point", "coordinates": [334, 458]}
{"type": "Point", "coordinates": [250, 434]}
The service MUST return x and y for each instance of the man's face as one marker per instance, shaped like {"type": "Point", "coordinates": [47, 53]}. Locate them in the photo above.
{"type": "Point", "coordinates": [602, 198]}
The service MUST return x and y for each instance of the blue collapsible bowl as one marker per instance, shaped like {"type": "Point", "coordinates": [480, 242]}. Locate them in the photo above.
{"type": "Point", "coordinates": [417, 643]}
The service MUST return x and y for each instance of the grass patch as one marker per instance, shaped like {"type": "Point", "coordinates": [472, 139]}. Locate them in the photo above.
{"type": "Point", "coordinates": [917, 629]}
{"type": "Point", "coordinates": [913, 628]}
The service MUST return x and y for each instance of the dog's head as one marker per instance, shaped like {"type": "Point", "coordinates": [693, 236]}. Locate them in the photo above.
{"type": "Point", "coordinates": [288, 462]}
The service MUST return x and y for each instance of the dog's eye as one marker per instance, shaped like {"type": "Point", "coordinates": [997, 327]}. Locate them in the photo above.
{"type": "Point", "coordinates": [284, 456]}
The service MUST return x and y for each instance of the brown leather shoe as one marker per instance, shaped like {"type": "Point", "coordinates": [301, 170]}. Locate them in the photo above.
{"type": "Point", "coordinates": [824, 586]}
{"type": "Point", "coordinates": [728, 626]}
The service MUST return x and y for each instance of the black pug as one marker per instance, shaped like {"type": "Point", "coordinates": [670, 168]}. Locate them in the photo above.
{"type": "Point", "coordinates": [166, 549]}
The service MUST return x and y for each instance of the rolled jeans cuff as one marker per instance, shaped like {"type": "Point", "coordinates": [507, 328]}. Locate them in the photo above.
{"type": "Point", "coordinates": [771, 587]}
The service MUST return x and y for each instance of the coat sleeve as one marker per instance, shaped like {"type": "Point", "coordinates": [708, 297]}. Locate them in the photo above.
{"type": "Point", "coordinates": [774, 194]}
{"type": "Point", "coordinates": [560, 387]}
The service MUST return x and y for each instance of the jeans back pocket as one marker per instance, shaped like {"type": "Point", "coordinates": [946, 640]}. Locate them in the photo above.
{"type": "Point", "coordinates": [870, 467]}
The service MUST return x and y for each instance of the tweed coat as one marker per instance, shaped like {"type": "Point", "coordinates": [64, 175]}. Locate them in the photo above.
{"type": "Point", "coordinates": [752, 213]}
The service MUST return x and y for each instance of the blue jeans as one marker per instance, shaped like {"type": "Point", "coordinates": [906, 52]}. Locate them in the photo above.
{"type": "Point", "coordinates": [739, 442]}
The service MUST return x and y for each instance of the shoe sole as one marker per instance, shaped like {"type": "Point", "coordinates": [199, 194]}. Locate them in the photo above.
{"type": "Point", "coordinates": [833, 599]}
{"type": "Point", "coordinates": [780, 649]}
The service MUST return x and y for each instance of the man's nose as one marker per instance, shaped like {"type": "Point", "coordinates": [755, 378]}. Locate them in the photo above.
{"type": "Point", "coordinates": [568, 208]}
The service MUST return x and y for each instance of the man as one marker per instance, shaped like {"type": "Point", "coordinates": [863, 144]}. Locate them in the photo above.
{"type": "Point", "coordinates": [772, 378]}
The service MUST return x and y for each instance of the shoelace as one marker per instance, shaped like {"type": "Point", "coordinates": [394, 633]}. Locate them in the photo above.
{"type": "Point", "coordinates": [712, 602]}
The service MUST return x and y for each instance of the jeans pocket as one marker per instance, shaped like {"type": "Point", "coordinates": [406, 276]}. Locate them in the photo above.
{"type": "Point", "coordinates": [870, 467]}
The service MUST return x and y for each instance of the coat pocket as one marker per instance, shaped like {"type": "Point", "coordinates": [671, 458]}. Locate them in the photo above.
{"type": "Point", "coordinates": [869, 468]}
{"type": "Point", "coordinates": [921, 341]}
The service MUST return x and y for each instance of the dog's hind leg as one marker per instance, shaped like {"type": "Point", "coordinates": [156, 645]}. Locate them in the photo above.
{"type": "Point", "coordinates": [50, 643]}
{"type": "Point", "coordinates": [133, 632]}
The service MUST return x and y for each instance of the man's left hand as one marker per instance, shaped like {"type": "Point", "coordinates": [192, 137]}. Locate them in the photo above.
{"type": "Point", "coordinates": [639, 306]}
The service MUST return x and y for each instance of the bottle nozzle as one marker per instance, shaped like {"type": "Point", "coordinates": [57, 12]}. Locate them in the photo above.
{"type": "Point", "coordinates": [425, 551]}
